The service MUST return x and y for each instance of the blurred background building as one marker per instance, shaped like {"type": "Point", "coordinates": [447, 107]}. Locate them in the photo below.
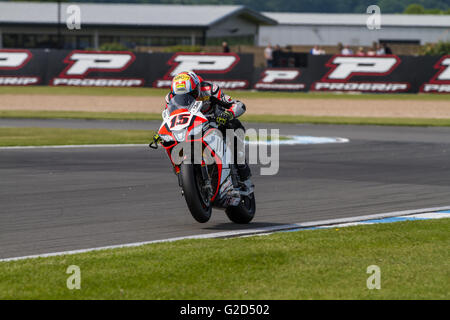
{"type": "Point", "coordinates": [43, 25]}
{"type": "Point", "coordinates": [329, 29]}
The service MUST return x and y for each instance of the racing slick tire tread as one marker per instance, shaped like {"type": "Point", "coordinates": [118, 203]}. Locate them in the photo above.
{"type": "Point", "coordinates": [192, 194]}
{"type": "Point", "coordinates": [244, 212]}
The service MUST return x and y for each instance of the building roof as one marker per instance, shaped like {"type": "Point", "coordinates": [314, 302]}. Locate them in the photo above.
{"type": "Point", "coordinates": [128, 14]}
{"type": "Point", "coordinates": [398, 20]}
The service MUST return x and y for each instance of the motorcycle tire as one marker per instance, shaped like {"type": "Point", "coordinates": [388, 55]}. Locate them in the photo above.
{"type": "Point", "coordinates": [200, 210]}
{"type": "Point", "coordinates": [244, 212]}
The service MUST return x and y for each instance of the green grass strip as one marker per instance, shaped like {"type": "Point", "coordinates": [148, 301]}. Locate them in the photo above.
{"type": "Point", "coordinates": [314, 264]}
{"type": "Point", "coordinates": [57, 136]}
{"type": "Point", "coordinates": [28, 114]}
{"type": "Point", "coordinates": [105, 91]}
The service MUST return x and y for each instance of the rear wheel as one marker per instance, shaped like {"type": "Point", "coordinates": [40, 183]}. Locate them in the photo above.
{"type": "Point", "coordinates": [195, 194]}
{"type": "Point", "coordinates": [244, 212]}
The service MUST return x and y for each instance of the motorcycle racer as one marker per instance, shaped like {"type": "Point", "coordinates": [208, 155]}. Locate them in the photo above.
{"type": "Point", "coordinates": [216, 103]}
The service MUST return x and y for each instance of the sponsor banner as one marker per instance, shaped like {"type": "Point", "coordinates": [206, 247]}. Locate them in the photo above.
{"type": "Point", "coordinates": [364, 74]}
{"type": "Point", "coordinates": [19, 67]}
{"type": "Point", "coordinates": [377, 74]}
{"type": "Point", "coordinates": [338, 73]}
{"type": "Point", "coordinates": [97, 68]}
{"type": "Point", "coordinates": [283, 79]}
{"type": "Point", "coordinates": [121, 68]}
{"type": "Point", "coordinates": [228, 70]}
{"type": "Point", "coordinates": [440, 81]}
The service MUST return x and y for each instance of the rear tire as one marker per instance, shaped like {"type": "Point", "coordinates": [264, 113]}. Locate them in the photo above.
{"type": "Point", "coordinates": [244, 212]}
{"type": "Point", "coordinates": [199, 208]}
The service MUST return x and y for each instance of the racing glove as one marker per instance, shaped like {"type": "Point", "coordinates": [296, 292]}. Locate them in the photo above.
{"type": "Point", "coordinates": [224, 117]}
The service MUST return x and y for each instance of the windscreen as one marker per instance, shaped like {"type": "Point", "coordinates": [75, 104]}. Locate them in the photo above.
{"type": "Point", "coordinates": [180, 101]}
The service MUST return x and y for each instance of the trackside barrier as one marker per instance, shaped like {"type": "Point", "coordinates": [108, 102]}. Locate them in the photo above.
{"type": "Point", "coordinates": [378, 74]}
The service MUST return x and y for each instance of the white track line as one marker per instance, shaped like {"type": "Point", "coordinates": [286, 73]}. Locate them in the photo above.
{"type": "Point", "coordinates": [245, 232]}
{"type": "Point", "coordinates": [294, 140]}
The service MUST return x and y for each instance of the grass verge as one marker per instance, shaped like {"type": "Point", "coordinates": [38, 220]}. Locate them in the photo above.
{"type": "Point", "coordinates": [57, 136]}
{"type": "Point", "coordinates": [105, 91]}
{"type": "Point", "coordinates": [313, 264]}
{"type": "Point", "coordinates": [29, 114]}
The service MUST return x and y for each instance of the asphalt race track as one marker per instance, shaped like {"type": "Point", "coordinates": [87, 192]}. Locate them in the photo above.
{"type": "Point", "coordinates": [65, 199]}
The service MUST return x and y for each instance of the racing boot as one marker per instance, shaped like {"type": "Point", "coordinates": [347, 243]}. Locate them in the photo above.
{"type": "Point", "coordinates": [244, 177]}
{"type": "Point", "coordinates": [244, 172]}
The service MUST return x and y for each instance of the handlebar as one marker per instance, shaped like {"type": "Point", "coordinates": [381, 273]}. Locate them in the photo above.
{"type": "Point", "coordinates": [153, 145]}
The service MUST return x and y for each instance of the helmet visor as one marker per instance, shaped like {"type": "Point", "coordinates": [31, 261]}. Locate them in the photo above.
{"type": "Point", "coordinates": [181, 101]}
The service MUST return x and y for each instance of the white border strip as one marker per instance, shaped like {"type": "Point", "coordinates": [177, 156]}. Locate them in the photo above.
{"type": "Point", "coordinates": [292, 141]}
{"type": "Point", "coordinates": [236, 233]}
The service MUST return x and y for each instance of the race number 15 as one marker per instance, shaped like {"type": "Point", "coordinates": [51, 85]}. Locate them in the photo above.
{"type": "Point", "coordinates": [179, 120]}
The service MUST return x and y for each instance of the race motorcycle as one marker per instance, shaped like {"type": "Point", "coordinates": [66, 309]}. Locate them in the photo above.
{"type": "Point", "coordinates": [211, 181]}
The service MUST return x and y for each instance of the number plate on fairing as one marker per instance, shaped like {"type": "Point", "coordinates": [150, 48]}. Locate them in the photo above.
{"type": "Point", "coordinates": [179, 121]}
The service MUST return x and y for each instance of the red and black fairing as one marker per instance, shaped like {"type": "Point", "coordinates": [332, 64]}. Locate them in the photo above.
{"type": "Point", "coordinates": [194, 121]}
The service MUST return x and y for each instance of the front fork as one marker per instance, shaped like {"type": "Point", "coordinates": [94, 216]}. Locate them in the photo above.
{"type": "Point", "coordinates": [207, 179]}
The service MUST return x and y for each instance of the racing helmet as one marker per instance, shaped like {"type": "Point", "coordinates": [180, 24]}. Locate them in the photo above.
{"type": "Point", "coordinates": [186, 82]}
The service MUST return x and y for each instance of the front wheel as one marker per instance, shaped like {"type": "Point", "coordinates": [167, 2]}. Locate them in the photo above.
{"type": "Point", "coordinates": [244, 212]}
{"type": "Point", "coordinates": [196, 198]}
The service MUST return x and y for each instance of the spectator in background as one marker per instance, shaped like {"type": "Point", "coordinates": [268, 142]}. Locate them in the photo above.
{"type": "Point", "coordinates": [268, 55]}
{"type": "Point", "coordinates": [387, 50]}
{"type": "Point", "coordinates": [321, 50]}
{"type": "Point", "coordinates": [360, 52]}
{"type": "Point", "coordinates": [340, 46]}
{"type": "Point", "coordinates": [315, 51]}
{"type": "Point", "coordinates": [276, 56]}
{"type": "Point", "coordinates": [225, 47]}
{"type": "Point", "coordinates": [372, 51]}
{"type": "Point", "coordinates": [346, 51]}
{"type": "Point", "coordinates": [380, 50]}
